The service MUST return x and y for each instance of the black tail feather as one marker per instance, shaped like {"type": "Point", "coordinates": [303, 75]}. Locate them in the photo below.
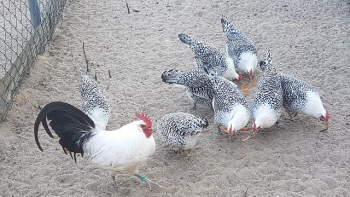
{"type": "Point", "coordinates": [51, 108]}
{"type": "Point", "coordinates": [186, 39]}
{"type": "Point", "coordinates": [72, 126]}
{"type": "Point", "coordinates": [46, 127]}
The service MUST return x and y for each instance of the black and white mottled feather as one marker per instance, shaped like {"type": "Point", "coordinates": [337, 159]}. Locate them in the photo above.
{"type": "Point", "coordinates": [231, 109]}
{"type": "Point", "coordinates": [268, 100]}
{"type": "Point", "coordinates": [94, 103]}
{"type": "Point", "coordinates": [210, 59]}
{"type": "Point", "coordinates": [240, 48]}
{"type": "Point", "coordinates": [197, 84]}
{"type": "Point", "coordinates": [180, 130]}
{"type": "Point", "coordinates": [301, 97]}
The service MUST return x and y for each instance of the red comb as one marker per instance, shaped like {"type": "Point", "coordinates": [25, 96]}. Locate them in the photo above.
{"type": "Point", "coordinates": [145, 118]}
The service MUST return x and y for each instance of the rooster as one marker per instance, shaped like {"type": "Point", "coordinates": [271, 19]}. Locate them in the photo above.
{"type": "Point", "coordinates": [210, 59]}
{"type": "Point", "coordinates": [240, 48]}
{"type": "Point", "coordinates": [94, 103]}
{"type": "Point", "coordinates": [121, 150]}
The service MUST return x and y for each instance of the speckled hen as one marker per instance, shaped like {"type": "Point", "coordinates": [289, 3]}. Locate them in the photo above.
{"type": "Point", "coordinates": [180, 130]}
{"type": "Point", "coordinates": [94, 103]}
{"type": "Point", "coordinates": [197, 84]}
{"type": "Point", "coordinates": [231, 109]}
{"type": "Point", "coordinates": [210, 59]}
{"type": "Point", "coordinates": [301, 97]}
{"type": "Point", "coordinates": [240, 48]}
{"type": "Point", "coordinates": [268, 100]}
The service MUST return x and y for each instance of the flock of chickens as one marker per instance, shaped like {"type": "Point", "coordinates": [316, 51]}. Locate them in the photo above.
{"type": "Point", "coordinates": [125, 149]}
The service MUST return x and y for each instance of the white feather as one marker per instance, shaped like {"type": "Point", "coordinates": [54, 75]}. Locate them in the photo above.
{"type": "Point", "coordinates": [191, 142]}
{"type": "Point", "coordinates": [314, 106]}
{"type": "Point", "coordinates": [179, 85]}
{"type": "Point", "coordinates": [99, 117]}
{"type": "Point", "coordinates": [239, 118]}
{"type": "Point", "coordinates": [248, 61]}
{"type": "Point", "coordinates": [120, 150]}
{"type": "Point", "coordinates": [230, 73]}
{"type": "Point", "coordinates": [264, 116]}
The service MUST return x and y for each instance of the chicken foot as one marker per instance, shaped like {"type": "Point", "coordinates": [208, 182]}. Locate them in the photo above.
{"type": "Point", "coordinates": [224, 132]}
{"type": "Point", "coordinates": [116, 186]}
{"type": "Point", "coordinates": [222, 129]}
{"type": "Point", "coordinates": [325, 129]}
{"type": "Point", "coordinates": [148, 181]}
{"type": "Point", "coordinates": [245, 129]}
{"type": "Point", "coordinates": [249, 137]}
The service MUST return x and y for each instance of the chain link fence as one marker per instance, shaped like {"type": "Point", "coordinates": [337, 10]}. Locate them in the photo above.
{"type": "Point", "coordinates": [26, 28]}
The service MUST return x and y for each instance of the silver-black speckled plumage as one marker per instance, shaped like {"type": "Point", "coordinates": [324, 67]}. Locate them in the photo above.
{"type": "Point", "coordinates": [240, 48]}
{"type": "Point", "coordinates": [94, 103]}
{"type": "Point", "coordinates": [180, 130]}
{"type": "Point", "coordinates": [231, 108]}
{"type": "Point", "coordinates": [210, 59]}
{"type": "Point", "coordinates": [301, 97]}
{"type": "Point", "coordinates": [197, 84]}
{"type": "Point", "coordinates": [268, 99]}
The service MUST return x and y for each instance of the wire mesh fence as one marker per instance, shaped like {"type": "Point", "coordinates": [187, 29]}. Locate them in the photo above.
{"type": "Point", "coordinates": [26, 28]}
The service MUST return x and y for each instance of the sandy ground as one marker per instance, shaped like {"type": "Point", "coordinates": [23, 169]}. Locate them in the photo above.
{"type": "Point", "coordinates": [310, 39]}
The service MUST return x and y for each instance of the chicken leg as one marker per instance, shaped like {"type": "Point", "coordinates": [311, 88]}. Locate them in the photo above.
{"type": "Point", "coordinates": [148, 181]}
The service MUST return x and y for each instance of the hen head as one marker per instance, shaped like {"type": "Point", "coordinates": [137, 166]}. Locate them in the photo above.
{"type": "Point", "coordinates": [326, 117]}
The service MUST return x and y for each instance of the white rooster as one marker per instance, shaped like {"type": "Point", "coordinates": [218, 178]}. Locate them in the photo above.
{"type": "Point", "coordinates": [121, 150]}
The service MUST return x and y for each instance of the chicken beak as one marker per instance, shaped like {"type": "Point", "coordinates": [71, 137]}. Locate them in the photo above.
{"type": "Point", "coordinates": [250, 74]}
{"type": "Point", "coordinates": [255, 130]}
{"type": "Point", "coordinates": [240, 77]}
{"type": "Point", "coordinates": [230, 132]}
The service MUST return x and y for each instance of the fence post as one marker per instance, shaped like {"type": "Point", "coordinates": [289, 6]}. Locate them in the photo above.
{"type": "Point", "coordinates": [34, 13]}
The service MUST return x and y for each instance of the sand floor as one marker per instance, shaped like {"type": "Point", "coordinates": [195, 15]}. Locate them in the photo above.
{"type": "Point", "coordinates": [309, 39]}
